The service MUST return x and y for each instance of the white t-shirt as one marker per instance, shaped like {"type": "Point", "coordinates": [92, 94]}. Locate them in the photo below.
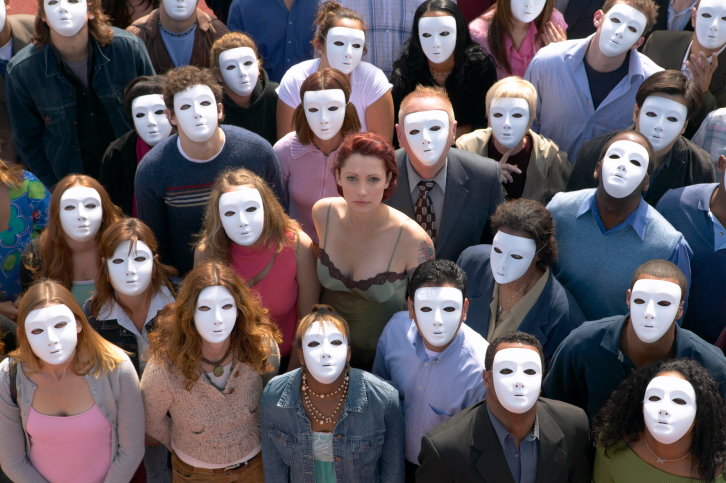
{"type": "Point", "coordinates": [369, 84]}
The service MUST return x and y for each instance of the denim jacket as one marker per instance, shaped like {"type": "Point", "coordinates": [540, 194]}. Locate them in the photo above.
{"type": "Point", "coordinates": [367, 440]}
{"type": "Point", "coordinates": [42, 105]}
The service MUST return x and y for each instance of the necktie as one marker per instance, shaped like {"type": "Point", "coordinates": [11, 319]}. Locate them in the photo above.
{"type": "Point", "coordinates": [425, 209]}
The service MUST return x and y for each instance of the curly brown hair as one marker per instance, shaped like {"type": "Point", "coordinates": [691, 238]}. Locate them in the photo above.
{"type": "Point", "coordinates": [99, 27]}
{"type": "Point", "coordinates": [177, 343]}
{"type": "Point", "coordinates": [532, 218]}
{"type": "Point", "coordinates": [180, 78]}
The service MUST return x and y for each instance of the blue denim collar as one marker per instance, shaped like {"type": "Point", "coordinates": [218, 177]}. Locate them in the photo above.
{"type": "Point", "coordinates": [357, 400]}
{"type": "Point", "coordinates": [52, 67]}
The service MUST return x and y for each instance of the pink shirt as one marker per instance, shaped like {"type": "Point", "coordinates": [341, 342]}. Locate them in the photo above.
{"type": "Point", "coordinates": [72, 448]}
{"type": "Point", "coordinates": [307, 177]}
{"type": "Point", "coordinates": [518, 59]}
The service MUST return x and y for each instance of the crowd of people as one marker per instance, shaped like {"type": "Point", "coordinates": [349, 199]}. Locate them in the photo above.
{"type": "Point", "coordinates": [370, 241]}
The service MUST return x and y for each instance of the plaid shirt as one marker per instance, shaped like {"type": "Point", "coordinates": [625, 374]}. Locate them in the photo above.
{"type": "Point", "coordinates": [711, 136]}
{"type": "Point", "coordinates": [389, 24]}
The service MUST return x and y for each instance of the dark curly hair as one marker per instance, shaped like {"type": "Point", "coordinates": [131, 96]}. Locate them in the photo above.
{"type": "Point", "coordinates": [532, 218]}
{"type": "Point", "coordinates": [622, 416]}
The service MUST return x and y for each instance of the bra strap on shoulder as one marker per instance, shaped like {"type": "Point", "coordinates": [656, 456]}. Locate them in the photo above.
{"type": "Point", "coordinates": [327, 219]}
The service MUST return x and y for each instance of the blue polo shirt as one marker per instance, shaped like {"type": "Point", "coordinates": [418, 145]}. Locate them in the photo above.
{"type": "Point", "coordinates": [589, 365]}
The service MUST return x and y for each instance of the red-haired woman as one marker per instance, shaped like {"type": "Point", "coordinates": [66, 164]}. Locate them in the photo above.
{"type": "Point", "coordinates": [306, 155]}
{"type": "Point", "coordinates": [367, 249]}
{"type": "Point", "coordinates": [67, 251]}
{"type": "Point", "coordinates": [70, 404]}
{"type": "Point", "coordinates": [212, 353]}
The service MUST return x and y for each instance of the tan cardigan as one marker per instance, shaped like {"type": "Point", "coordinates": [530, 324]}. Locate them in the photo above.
{"type": "Point", "coordinates": [548, 169]}
{"type": "Point", "coordinates": [205, 424]}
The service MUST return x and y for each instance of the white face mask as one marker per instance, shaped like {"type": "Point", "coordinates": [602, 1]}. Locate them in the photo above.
{"type": "Point", "coordinates": [427, 134]}
{"type": "Point", "coordinates": [621, 28]}
{"type": "Point", "coordinates": [216, 314]}
{"type": "Point", "coordinates": [150, 121]}
{"type": "Point", "coordinates": [511, 256]}
{"type": "Point", "coordinates": [653, 308]}
{"type": "Point", "coordinates": [131, 272]}
{"type": "Point", "coordinates": [623, 168]}
{"type": "Point", "coordinates": [438, 37]}
{"type": "Point", "coordinates": [243, 215]}
{"type": "Point", "coordinates": [527, 11]}
{"type": "Point", "coordinates": [195, 109]}
{"type": "Point", "coordinates": [344, 48]}
{"type": "Point", "coordinates": [711, 24]}
{"type": "Point", "coordinates": [662, 120]}
{"type": "Point", "coordinates": [326, 352]}
{"type": "Point", "coordinates": [509, 119]}
{"type": "Point", "coordinates": [669, 408]}
{"type": "Point", "coordinates": [325, 112]}
{"type": "Point", "coordinates": [517, 377]}
{"type": "Point", "coordinates": [180, 9]}
{"type": "Point", "coordinates": [438, 313]}
{"type": "Point", "coordinates": [239, 70]}
{"type": "Point", "coordinates": [65, 16]}
{"type": "Point", "coordinates": [52, 333]}
{"type": "Point", "coordinates": [81, 213]}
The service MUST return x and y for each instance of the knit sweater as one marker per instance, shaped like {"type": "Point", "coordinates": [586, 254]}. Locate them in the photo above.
{"type": "Point", "coordinates": [172, 192]}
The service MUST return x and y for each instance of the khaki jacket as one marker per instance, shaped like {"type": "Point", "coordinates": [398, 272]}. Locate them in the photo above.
{"type": "Point", "coordinates": [209, 30]}
{"type": "Point", "coordinates": [548, 169]}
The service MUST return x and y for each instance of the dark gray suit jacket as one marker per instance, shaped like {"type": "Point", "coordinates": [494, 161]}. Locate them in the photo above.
{"type": "Point", "coordinates": [473, 192]}
{"type": "Point", "coordinates": [465, 448]}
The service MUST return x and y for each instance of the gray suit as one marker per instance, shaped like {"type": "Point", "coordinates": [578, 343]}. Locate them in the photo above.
{"type": "Point", "coordinates": [473, 192]}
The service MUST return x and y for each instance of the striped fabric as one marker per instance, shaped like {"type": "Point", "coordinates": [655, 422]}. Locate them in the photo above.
{"type": "Point", "coordinates": [711, 136]}
{"type": "Point", "coordinates": [187, 196]}
{"type": "Point", "coordinates": [565, 111]}
{"type": "Point", "coordinates": [389, 24]}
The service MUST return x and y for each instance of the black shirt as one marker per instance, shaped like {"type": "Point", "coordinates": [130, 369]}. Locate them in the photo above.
{"type": "Point", "coordinates": [601, 83]}
{"type": "Point", "coordinates": [521, 159]}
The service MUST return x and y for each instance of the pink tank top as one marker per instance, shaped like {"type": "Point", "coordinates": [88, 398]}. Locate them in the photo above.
{"type": "Point", "coordinates": [70, 449]}
{"type": "Point", "coordinates": [277, 291]}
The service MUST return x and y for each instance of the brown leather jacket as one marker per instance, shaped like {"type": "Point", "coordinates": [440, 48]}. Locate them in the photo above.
{"type": "Point", "coordinates": [209, 29]}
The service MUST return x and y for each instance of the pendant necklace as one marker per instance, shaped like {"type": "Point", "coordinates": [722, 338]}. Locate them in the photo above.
{"type": "Point", "coordinates": [499, 309]}
{"type": "Point", "coordinates": [661, 460]}
{"type": "Point", "coordinates": [218, 369]}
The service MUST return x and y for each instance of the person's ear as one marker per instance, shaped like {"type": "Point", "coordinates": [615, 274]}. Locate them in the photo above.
{"type": "Point", "coordinates": [300, 356]}
{"type": "Point", "coordinates": [595, 175]}
{"type": "Point", "coordinates": [627, 298]}
{"type": "Point", "coordinates": [721, 163]}
{"type": "Point", "coordinates": [220, 111]}
{"type": "Point", "coordinates": [399, 134]}
{"type": "Point", "coordinates": [337, 177]}
{"type": "Point", "coordinates": [486, 375]}
{"type": "Point", "coordinates": [636, 116]}
{"type": "Point", "coordinates": [638, 43]}
{"type": "Point", "coordinates": [319, 46]}
{"type": "Point", "coordinates": [464, 309]}
{"type": "Point", "coordinates": [454, 125]}
{"type": "Point", "coordinates": [347, 359]}
{"type": "Point", "coordinates": [411, 309]}
{"type": "Point", "coordinates": [79, 327]}
{"type": "Point", "coordinates": [685, 124]}
{"type": "Point", "coordinates": [170, 116]}
{"type": "Point", "coordinates": [679, 314]}
{"type": "Point", "coordinates": [103, 260]}
{"type": "Point", "coordinates": [694, 16]}
{"type": "Point", "coordinates": [156, 257]}
{"type": "Point", "coordinates": [388, 180]}
{"type": "Point", "coordinates": [646, 183]}
{"type": "Point", "coordinates": [597, 19]}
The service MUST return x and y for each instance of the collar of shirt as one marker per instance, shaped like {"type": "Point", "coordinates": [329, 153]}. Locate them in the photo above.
{"type": "Point", "coordinates": [115, 312]}
{"type": "Point", "coordinates": [576, 58]}
{"type": "Point", "coordinates": [502, 432]}
{"type": "Point", "coordinates": [677, 20]}
{"type": "Point", "coordinates": [684, 67]}
{"type": "Point", "coordinates": [611, 339]}
{"type": "Point", "coordinates": [414, 179]}
{"type": "Point", "coordinates": [418, 344]}
{"type": "Point", "coordinates": [638, 219]}
{"type": "Point", "coordinates": [6, 51]}
{"type": "Point", "coordinates": [719, 233]}
{"type": "Point", "coordinates": [527, 44]}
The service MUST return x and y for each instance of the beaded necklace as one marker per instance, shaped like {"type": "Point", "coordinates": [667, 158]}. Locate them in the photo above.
{"type": "Point", "coordinates": [317, 415]}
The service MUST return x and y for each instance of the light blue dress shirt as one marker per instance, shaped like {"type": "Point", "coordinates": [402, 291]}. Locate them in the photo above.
{"type": "Point", "coordinates": [677, 21]}
{"type": "Point", "coordinates": [565, 113]}
{"type": "Point", "coordinates": [711, 136]}
{"type": "Point", "coordinates": [522, 461]}
{"type": "Point", "coordinates": [433, 388]}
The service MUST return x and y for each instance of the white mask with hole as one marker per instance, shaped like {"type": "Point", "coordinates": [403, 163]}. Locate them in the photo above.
{"type": "Point", "coordinates": [623, 168]}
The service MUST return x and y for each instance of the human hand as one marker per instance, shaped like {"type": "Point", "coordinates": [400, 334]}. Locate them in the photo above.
{"type": "Point", "coordinates": [9, 310]}
{"type": "Point", "coordinates": [552, 34]}
{"type": "Point", "coordinates": [702, 70]}
{"type": "Point", "coordinates": [508, 169]}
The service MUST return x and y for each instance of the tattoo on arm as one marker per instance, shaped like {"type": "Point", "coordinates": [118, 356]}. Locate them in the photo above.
{"type": "Point", "coordinates": [426, 251]}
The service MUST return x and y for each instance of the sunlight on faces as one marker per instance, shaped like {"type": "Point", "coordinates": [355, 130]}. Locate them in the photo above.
{"type": "Point", "coordinates": [180, 9]}
{"type": "Point", "coordinates": [527, 11]}
{"type": "Point", "coordinates": [344, 48]}
{"type": "Point", "coordinates": [509, 120]}
{"type": "Point", "coordinates": [622, 27]}
{"type": "Point", "coordinates": [438, 313]}
{"type": "Point", "coordinates": [150, 121]}
{"type": "Point", "coordinates": [653, 308]}
{"type": "Point", "coordinates": [711, 24]}
{"type": "Point", "coordinates": [623, 168]}
{"type": "Point", "coordinates": [215, 314]}
{"type": "Point", "coordinates": [195, 109]}
{"type": "Point", "coordinates": [669, 408]}
{"type": "Point", "coordinates": [517, 375]}
{"type": "Point", "coordinates": [427, 134]}
{"type": "Point", "coordinates": [81, 212]}
{"type": "Point", "coordinates": [131, 267]}
{"type": "Point", "coordinates": [363, 180]}
{"type": "Point", "coordinates": [511, 256]}
{"type": "Point", "coordinates": [240, 70]}
{"type": "Point", "coordinates": [438, 37]}
{"type": "Point", "coordinates": [662, 120]}
{"type": "Point", "coordinates": [325, 112]}
{"type": "Point", "coordinates": [243, 215]}
{"type": "Point", "coordinates": [325, 350]}
{"type": "Point", "coordinates": [66, 17]}
{"type": "Point", "coordinates": [52, 333]}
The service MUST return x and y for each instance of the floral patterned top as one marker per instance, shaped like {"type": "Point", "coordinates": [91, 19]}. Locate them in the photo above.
{"type": "Point", "coordinates": [29, 213]}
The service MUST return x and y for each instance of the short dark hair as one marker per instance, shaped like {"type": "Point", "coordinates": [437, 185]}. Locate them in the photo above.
{"type": "Point", "coordinates": [672, 83]}
{"type": "Point", "coordinates": [649, 148]}
{"type": "Point", "coordinates": [182, 77]}
{"type": "Point", "coordinates": [534, 219]}
{"type": "Point", "coordinates": [437, 273]}
{"type": "Point", "coordinates": [144, 85]}
{"type": "Point", "coordinates": [513, 338]}
{"type": "Point", "coordinates": [661, 269]}
{"type": "Point", "coordinates": [646, 7]}
{"type": "Point", "coordinates": [368, 144]}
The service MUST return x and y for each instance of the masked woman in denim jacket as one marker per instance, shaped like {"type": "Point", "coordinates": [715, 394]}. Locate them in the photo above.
{"type": "Point", "coordinates": [350, 427]}
{"type": "Point", "coordinates": [70, 404]}
{"type": "Point", "coordinates": [211, 354]}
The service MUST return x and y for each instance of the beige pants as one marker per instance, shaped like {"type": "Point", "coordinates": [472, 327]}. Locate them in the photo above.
{"type": "Point", "coordinates": [184, 473]}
